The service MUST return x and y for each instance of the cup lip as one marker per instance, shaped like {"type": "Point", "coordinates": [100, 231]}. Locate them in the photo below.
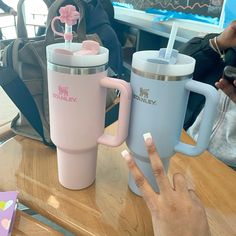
{"type": "Point", "coordinates": [55, 57]}
{"type": "Point", "coordinates": [184, 66]}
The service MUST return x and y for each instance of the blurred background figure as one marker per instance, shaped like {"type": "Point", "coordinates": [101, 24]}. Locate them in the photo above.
{"type": "Point", "coordinates": [6, 9]}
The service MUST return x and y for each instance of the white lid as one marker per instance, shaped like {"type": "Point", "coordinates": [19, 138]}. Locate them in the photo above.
{"type": "Point", "coordinates": [68, 59]}
{"type": "Point", "coordinates": [184, 65]}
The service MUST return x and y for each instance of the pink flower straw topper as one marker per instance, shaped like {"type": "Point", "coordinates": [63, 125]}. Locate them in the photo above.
{"type": "Point", "coordinates": [68, 15]}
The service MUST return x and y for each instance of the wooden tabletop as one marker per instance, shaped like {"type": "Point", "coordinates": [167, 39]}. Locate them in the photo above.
{"type": "Point", "coordinates": [215, 184]}
{"type": "Point", "coordinates": [108, 207]}
{"type": "Point", "coordinates": [25, 225]}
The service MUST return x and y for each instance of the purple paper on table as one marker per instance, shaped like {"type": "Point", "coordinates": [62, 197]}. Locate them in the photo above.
{"type": "Point", "coordinates": [8, 205]}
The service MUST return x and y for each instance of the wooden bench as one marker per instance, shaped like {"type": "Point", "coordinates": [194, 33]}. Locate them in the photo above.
{"type": "Point", "coordinates": [27, 225]}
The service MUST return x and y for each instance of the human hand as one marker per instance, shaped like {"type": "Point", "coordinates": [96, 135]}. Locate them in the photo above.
{"type": "Point", "coordinates": [227, 88]}
{"type": "Point", "coordinates": [227, 38]}
{"type": "Point", "coordinates": [175, 210]}
{"type": "Point", "coordinates": [13, 12]}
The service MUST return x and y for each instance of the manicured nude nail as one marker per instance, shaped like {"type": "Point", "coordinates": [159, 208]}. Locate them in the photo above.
{"type": "Point", "coordinates": [147, 138]}
{"type": "Point", "coordinates": [125, 155]}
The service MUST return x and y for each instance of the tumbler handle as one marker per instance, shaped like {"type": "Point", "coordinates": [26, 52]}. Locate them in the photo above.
{"type": "Point", "coordinates": [208, 117]}
{"type": "Point", "coordinates": [124, 111]}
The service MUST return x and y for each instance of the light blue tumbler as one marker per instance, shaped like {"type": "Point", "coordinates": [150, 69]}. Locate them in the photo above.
{"type": "Point", "coordinates": [160, 97]}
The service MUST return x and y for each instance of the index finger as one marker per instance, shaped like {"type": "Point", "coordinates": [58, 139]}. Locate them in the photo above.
{"type": "Point", "coordinates": [157, 165]}
{"type": "Point", "coordinates": [139, 178]}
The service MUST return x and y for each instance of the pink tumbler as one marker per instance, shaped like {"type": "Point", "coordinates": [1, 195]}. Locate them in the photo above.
{"type": "Point", "coordinates": [77, 88]}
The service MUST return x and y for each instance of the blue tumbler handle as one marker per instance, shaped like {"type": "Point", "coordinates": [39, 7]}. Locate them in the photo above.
{"type": "Point", "coordinates": [208, 118]}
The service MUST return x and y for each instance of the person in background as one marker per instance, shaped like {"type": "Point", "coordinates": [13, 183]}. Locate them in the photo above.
{"type": "Point", "coordinates": [6, 9]}
{"type": "Point", "coordinates": [175, 210]}
{"type": "Point", "coordinates": [209, 65]}
{"type": "Point", "coordinates": [218, 52]}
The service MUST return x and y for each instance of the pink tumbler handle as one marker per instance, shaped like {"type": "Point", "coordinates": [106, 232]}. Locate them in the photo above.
{"type": "Point", "coordinates": [124, 111]}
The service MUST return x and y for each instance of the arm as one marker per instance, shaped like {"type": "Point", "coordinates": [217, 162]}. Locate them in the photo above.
{"type": "Point", "coordinates": [7, 9]}
{"type": "Point", "coordinates": [227, 38]}
{"type": "Point", "coordinates": [206, 58]}
{"type": "Point", "coordinates": [227, 88]}
{"type": "Point", "coordinates": [175, 210]}
{"type": "Point", "coordinates": [4, 7]}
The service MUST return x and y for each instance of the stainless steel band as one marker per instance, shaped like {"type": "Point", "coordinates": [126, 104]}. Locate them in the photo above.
{"type": "Point", "coordinates": [76, 70]}
{"type": "Point", "coordinates": [150, 75]}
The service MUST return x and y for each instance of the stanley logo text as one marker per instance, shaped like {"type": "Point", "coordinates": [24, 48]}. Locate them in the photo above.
{"type": "Point", "coordinates": [63, 94]}
{"type": "Point", "coordinates": [144, 97]}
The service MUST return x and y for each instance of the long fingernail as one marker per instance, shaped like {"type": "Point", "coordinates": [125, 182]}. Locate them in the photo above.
{"type": "Point", "coordinates": [125, 155]}
{"type": "Point", "coordinates": [147, 138]}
